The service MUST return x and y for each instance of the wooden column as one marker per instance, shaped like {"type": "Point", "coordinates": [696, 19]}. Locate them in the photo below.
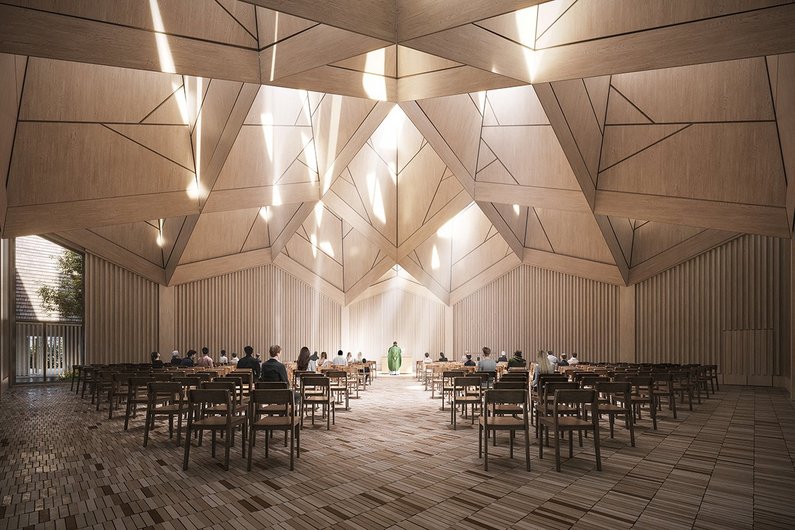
{"type": "Point", "coordinates": [448, 333]}
{"type": "Point", "coordinates": [626, 324]}
{"type": "Point", "coordinates": [166, 326]}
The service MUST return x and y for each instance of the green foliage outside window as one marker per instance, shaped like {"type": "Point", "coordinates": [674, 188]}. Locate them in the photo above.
{"type": "Point", "coordinates": [67, 297]}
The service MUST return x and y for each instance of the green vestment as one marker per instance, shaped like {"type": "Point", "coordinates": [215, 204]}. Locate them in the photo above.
{"type": "Point", "coordinates": [393, 358]}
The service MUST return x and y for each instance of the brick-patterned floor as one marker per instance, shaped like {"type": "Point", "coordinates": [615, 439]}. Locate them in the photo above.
{"type": "Point", "coordinates": [393, 460]}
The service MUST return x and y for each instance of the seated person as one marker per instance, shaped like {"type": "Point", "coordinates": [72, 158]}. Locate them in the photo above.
{"type": "Point", "coordinates": [469, 361]}
{"type": "Point", "coordinates": [273, 370]}
{"type": "Point", "coordinates": [502, 358]}
{"type": "Point", "coordinates": [223, 359]}
{"type": "Point", "coordinates": [206, 361]}
{"type": "Point", "coordinates": [233, 361]}
{"type": "Point", "coordinates": [517, 361]}
{"type": "Point", "coordinates": [563, 361]}
{"type": "Point", "coordinates": [156, 362]}
{"type": "Point", "coordinates": [366, 371]}
{"type": "Point", "coordinates": [442, 358]}
{"type": "Point", "coordinates": [188, 360]}
{"type": "Point", "coordinates": [339, 360]}
{"type": "Point", "coordinates": [486, 363]}
{"type": "Point", "coordinates": [175, 360]}
{"type": "Point", "coordinates": [573, 360]}
{"type": "Point", "coordinates": [248, 361]}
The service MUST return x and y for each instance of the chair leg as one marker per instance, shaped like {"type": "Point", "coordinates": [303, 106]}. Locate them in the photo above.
{"type": "Point", "coordinates": [557, 448]}
{"type": "Point", "coordinates": [486, 453]}
{"type": "Point", "coordinates": [187, 451]}
{"type": "Point", "coordinates": [250, 448]}
{"type": "Point", "coordinates": [292, 447]}
{"type": "Point", "coordinates": [540, 445]}
{"type": "Point", "coordinates": [212, 451]}
{"type": "Point", "coordinates": [527, 446]}
{"type": "Point", "coordinates": [631, 427]}
{"type": "Point", "coordinates": [571, 444]}
{"type": "Point", "coordinates": [146, 428]}
{"type": "Point", "coordinates": [596, 448]}
{"type": "Point", "coordinates": [227, 447]}
{"type": "Point", "coordinates": [179, 428]}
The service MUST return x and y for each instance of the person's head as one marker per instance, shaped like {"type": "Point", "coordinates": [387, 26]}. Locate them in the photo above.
{"type": "Point", "coordinates": [563, 356]}
{"type": "Point", "coordinates": [155, 356]}
{"type": "Point", "coordinates": [502, 353]}
{"type": "Point", "coordinates": [518, 354]}
{"type": "Point", "coordinates": [441, 355]}
{"type": "Point", "coordinates": [175, 353]}
{"type": "Point", "coordinates": [427, 354]}
{"type": "Point", "coordinates": [275, 350]}
{"type": "Point", "coordinates": [323, 355]}
{"type": "Point", "coordinates": [574, 355]}
{"type": "Point", "coordinates": [486, 351]}
{"type": "Point", "coordinates": [394, 343]}
{"type": "Point", "coordinates": [234, 355]}
{"type": "Point", "coordinates": [249, 350]}
{"type": "Point", "coordinates": [542, 353]}
{"type": "Point", "coordinates": [256, 355]}
{"type": "Point", "coordinates": [469, 357]}
{"type": "Point", "coordinates": [205, 351]}
{"type": "Point", "coordinates": [549, 352]}
{"type": "Point", "coordinates": [223, 353]}
{"type": "Point", "coordinates": [364, 360]}
{"type": "Point", "coordinates": [339, 353]}
{"type": "Point", "coordinates": [350, 355]}
{"type": "Point", "coordinates": [190, 353]}
{"type": "Point", "coordinates": [304, 352]}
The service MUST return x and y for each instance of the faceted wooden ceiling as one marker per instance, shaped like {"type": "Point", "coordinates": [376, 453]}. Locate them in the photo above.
{"type": "Point", "coordinates": [360, 142]}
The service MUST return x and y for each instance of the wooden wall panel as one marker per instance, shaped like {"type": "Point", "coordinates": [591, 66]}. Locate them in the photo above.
{"type": "Point", "coordinates": [415, 321]}
{"type": "Point", "coordinates": [723, 307]}
{"type": "Point", "coordinates": [531, 309]}
{"type": "Point", "coordinates": [121, 311]}
{"type": "Point", "coordinates": [257, 307]}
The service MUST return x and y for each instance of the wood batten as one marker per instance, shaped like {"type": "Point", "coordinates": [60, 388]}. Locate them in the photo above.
{"type": "Point", "coordinates": [747, 218]}
{"type": "Point", "coordinates": [114, 253]}
{"type": "Point", "coordinates": [726, 307]}
{"type": "Point", "coordinates": [690, 248]}
{"type": "Point", "coordinates": [533, 196]}
{"type": "Point", "coordinates": [292, 226]}
{"type": "Point", "coordinates": [121, 314]}
{"type": "Point", "coordinates": [486, 276]}
{"type": "Point", "coordinates": [755, 33]}
{"type": "Point", "coordinates": [593, 270]}
{"type": "Point", "coordinates": [530, 309]}
{"type": "Point", "coordinates": [241, 198]}
{"type": "Point", "coordinates": [335, 80]}
{"type": "Point", "coordinates": [42, 34]}
{"type": "Point", "coordinates": [201, 270]}
{"type": "Point", "coordinates": [344, 210]}
{"type": "Point", "coordinates": [448, 82]}
{"type": "Point", "coordinates": [56, 217]}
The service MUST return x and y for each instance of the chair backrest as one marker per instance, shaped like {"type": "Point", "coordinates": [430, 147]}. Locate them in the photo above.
{"type": "Point", "coordinates": [550, 387]}
{"type": "Point", "coordinates": [160, 389]}
{"type": "Point", "coordinates": [229, 386]}
{"type": "Point", "coordinates": [502, 384]}
{"type": "Point", "coordinates": [162, 376]}
{"type": "Point", "coordinates": [188, 381]}
{"type": "Point", "coordinates": [210, 396]}
{"type": "Point", "coordinates": [622, 390]}
{"type": "Point", "coordinates": [280, 396]}
{"type": "Point", "coordinates": [505, 396]}
{"type": "Point", "coordinates": [467, 381]}
{"type": "Point", "coordinates": [271, 385]}
{"type": "Point", "coordinates": [565, 396]}
{"type": "Point", "coordinates": [641, 382]}
{"type": "Point", "coordinates": [136, 382]}
{"type": "Point", "coordinates": [317, 382]}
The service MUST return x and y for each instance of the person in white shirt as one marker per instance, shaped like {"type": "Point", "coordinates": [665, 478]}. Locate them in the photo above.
{"type": "Point", "coordinates": [552, 359]}
{"type": "Point", "coordinates": [324, 361]}
{"type": "Point", "coordinates": [486, 363]}
{"type": "Point", "coordinates": [223, 359]}
{"type": "Point", "coordinates": [339, 360]}
{"type": "Point", "coordinates": [573, 361]}
{"type": "Point", "coordinates": [359, 357]}
{"type": "Point", "coordinates": [312, 366]}
{"type": "Point", "coordinates": [234, 359]}
{"type": "Point", "coordinates": [349, 358]}
{"type": "Point", "coordinates": [427, 358]}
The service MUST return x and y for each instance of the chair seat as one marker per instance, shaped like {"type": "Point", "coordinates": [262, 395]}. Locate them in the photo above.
{"type": "Point", "coordinates": [608, 408]}
{"type": "Point", "coordinates": [218, 421]}
{"type": "Point", "coordinates": [466, 399]}
{"type": "Point", "coordinates": [277, 421]}
{"type": "Point", "coordinates": [547, 409]}
{"type": "Point", "coordinates": [503, 422]}
{"type": "Point", "coordinates": [508, 409]}
{"type": "Point", "coordinates": [316, 399]}
{"type": "Point", "coordinates": [567, 422]}
{"type": "Point", "coordinates": [272, 409]}
{"type": "Point", "coordinates": [237, 409]}
{"type": "Point", "coordinates": [170, 409]}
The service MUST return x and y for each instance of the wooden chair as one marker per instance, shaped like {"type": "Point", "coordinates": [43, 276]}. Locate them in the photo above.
{"type": "Point", "coordinates": [76, 370]}
{"type": "Point", "coordinates": [165, 399]}
{"type": "Point", "coordinates": [467, 391]}
{"type": "Point", "coordinates": [282, 399]}
{"type": "Point", "coordinates": [491, 421]}
{"type": "Point", "coordinates": [712, 372]}
{"type": "Point", "coordinates": [339, 386]}
{"type": "Point", "coordinates": [615, 401]}
{"type": "Point", "coordinates": [643, 394]}
{"type": "Point", "coordinates": [446, 383]}
{"type": "Point", "coordinates": [664, 386]}
{"type": "Point", "coordinates": [316, 390]}
{"type": "Point", "coordinates": [683, 385]}
{"type": "Point", "coordinates": [200, 406]}
{"type": "Point", "coordinates": [136, 395]}
{"type": "Point", "coordinates": [561, 420]}
{"type": "Point", "coordinates": [543, 404]}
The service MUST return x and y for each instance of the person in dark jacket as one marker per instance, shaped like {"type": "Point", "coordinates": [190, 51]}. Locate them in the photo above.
{"type": "Point", "coordinates": [156, 362]}
{"type": "Point", "coordinates": [248, 361]}
{"type": "Point", "coordinates": [272, 369]}
{"type": "Point", "coordinates": [469, 361]}
{"type": "Point", "coordinates": [517, 361]}
{"type": "Point", "coordinates": [188, 360]}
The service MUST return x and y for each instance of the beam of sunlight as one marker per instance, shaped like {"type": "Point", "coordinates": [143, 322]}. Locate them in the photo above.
{"type": "Point", "coordinates": [326, 247]}
{"type": "Point", "coordinates": [161, 40]}
{"type": "Point", "coordinates": [276, 196]}
{"type": "Point", "coordinates": [373, 80]}
{"type": "Point", "coordinates": [388, 137]}
{"type": "Point", "coordinates": [434, 258]}
{"type": "Point", "coordinates": [332, 139]}
{"type": "Point", "coordinates": [376, 198]}
{"type": "Point", "coordinates": [266, 119]}
{"type": "Point", "coordinates": [195, 190]}
{"type": "Point", "coordinates": [516, 209]}
{"type": "Point", "coordinates": [526, 25]}
{"type": "Point", "coordinates": [313, 240]}
{"type": "Point", "coordinates": [273, 48]}
{"type": "Point", "coordinates": [446, 230]}
{"type": "Point", "coordinates": [160, 240]}
{"type": "Point", "coordinates": [319, 213]}
{"type": "Point", "coordinates": [265, 213]}
{"type": "Point", "coordinates": [182, 103]}
{"type": "Point", "coordinates": [311, 158]}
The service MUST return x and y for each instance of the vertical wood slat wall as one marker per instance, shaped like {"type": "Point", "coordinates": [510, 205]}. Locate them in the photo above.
{"type": "Point", "coordinates": [416, 322]}
{"type": "Point", "coordinates": [121, 314]}
{"type": "Point", "coordinates": [531, 309]}
{"type": "Point", "coordinates": [727, 307]}
{"type": "Point", "coordinates": [257, 307]}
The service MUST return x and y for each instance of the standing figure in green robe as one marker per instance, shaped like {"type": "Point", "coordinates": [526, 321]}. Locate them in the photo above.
{"type": "Point", "coordinates": [393, 358]}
